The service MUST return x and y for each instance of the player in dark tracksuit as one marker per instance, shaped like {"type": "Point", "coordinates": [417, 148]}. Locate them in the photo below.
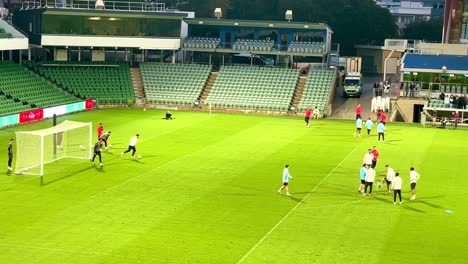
{"type": "Point", "coordinates": [10, 153]}
{"type": "Point", "coordinates": [97, 152]}
{"type": "Point", "coordinates": [105, 137]}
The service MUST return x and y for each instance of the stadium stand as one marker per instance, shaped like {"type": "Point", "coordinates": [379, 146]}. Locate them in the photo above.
{"type": "Point", "coordinates": [306, 47]}
{"type": "Point", "coordinates": [203, 43]}
{"type": "Point", "coordinates": [436, 103]}
{"type": "Point", "coordinates": [316, 90]}
{"type": "Point", "coordinates": [4, 34]}
{"type": "Point", "coordinates": [108, 83]}
{"type": "Point", "coordinates": [10, 106]}
{"type": "Point", "coordinates": [21, 85]}
{"type": "Point", "coordinates": [259, 88]}
{"type": "Point", "coordinates": [253, 45]}
{"type": "Point", "coordinates": [174, 83]}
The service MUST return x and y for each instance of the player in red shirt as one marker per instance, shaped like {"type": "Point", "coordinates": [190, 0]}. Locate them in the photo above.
{"type": "Point", "coordinates": [456, 117]}
{"type": "Point", "coordinates": [375, 155]}
{"type": "Point", "coordinates": [100, 129]}
{"type": "Point", "coordinates": [307, 115]}
{"type": "Point", "coordinates": [358, 111]}
{"type": "Point", "coordinates": [383, 117]}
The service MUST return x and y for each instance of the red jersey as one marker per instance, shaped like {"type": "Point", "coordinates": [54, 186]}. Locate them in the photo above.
{"type": "Point", "coordinates": [383, 117]}
{"type": "Point", "coordinates": [456, 115]}
{"type": "Point", "coordinates": [100, 128]}
{"type": "Point", "coordinates": [308, 112]}
{"type": "Point", "coordinates": [358, 110]}
{"type": "Point", "coordinates": [375, 154]}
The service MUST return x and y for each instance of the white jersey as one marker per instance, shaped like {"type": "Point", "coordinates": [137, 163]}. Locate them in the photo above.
{"type": "Point", "coordinates": [370, 175]}
{"type": "Point", "coordinates": [286, 175]}
{"type": "Point", "coordinates": [369, 124]}
{"type": "Point", "coordinates": [133, 141]}
{"type": "Point", "coordinates": [397, 183]}
{"type": "Point", "coordinates": [368, 159]}
{"type": "Point", "coordinates": [414, 176]}
{"type": "Point", "coordinates": [390, 174]}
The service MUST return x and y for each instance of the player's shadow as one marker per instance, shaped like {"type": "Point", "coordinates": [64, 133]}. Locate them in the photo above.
{"type": "Point", "coordinates": [433, 205]}
{"type": "Point", "coordinates": [297, 200]}
{"type": "Point", "coordinates": [405, 206]}
{"type": "Point", "coordinates": [69, 174]}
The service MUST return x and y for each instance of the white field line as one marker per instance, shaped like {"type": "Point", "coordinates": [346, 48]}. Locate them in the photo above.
{"type": "Point", "coordinates": [294, 208]}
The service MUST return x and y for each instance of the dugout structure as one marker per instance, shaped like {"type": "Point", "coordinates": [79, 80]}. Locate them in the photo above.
{"type": "Point", "coordinates": [34, 149]}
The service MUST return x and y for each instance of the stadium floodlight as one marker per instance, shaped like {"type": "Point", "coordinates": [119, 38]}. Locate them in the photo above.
{"type": "Point", "coordinates": [288, 15]}
{"type": "Point", "coordinates": [68, 139]}
{"type": "Point", "coordinates": [99, 4]}
{"type": "Point", "coordinates": [218, 13]}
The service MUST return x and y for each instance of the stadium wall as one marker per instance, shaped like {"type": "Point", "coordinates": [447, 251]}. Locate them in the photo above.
{"type": "Point", "coordinates": [44, 113]}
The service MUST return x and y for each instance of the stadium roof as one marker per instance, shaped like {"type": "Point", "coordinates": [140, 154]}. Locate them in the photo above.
{"type": "Point", "coordinates": [434, 63]}
{"type": "Point", "coordinates": [256, 23]}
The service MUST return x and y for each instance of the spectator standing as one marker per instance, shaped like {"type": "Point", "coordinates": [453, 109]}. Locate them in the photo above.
{"type": "Point", "coordinates": [447, 101]}
{"type": "Point", "coordinates": [358, 111]}
{"type": "Point", "coordinates": [412, 89]}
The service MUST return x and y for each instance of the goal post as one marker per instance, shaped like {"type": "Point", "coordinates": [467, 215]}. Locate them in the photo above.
{"type": "Point", "coordinates": [68, 139]}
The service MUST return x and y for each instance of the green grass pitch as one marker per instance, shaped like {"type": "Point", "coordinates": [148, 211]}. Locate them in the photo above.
{"type": "Point", "coordinates": [205, 192]}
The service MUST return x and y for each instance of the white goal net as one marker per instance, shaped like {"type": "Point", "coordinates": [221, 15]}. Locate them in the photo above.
{"type": "Point", "coordinates": [68, 139]}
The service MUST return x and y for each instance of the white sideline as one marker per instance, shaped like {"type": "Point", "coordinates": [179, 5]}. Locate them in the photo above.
{"type": "Point", "coordinates": [294, 208]}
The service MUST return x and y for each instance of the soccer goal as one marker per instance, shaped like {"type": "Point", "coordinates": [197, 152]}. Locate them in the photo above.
{"type": "Point", "coordinates": [68, 139]}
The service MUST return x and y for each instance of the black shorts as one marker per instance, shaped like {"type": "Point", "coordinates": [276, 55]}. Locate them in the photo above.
{"type": "Point", "coordinates": [387, 181]}
{"type": "Point", "coordinates": [285, 183]}
{"type": "Point", "coordinates": [307, 119]}
{"type": "Point", "coordinates": [358, 129]}
{"type": "Point", "coordinates": [363, 181]}
{"type": "Point", "coordinates": [413, 185]}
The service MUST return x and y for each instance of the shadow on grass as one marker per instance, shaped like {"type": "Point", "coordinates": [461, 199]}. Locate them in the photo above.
{"type": "Point", "coordinates": [404, 205]}
{"type": "Point", "coordinates": [72, 173]}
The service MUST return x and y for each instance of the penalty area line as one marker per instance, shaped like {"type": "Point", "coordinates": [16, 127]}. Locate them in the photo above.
{"type": "Point", "coordinates": [295, 207]}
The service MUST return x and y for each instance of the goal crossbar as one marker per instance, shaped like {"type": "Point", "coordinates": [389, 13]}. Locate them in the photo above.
{"type": "Point", "coordinates": [69, 139]}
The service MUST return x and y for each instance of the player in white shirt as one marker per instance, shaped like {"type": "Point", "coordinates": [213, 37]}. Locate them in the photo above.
{"type": "Point", "coordinates": [132, 146]}
{"type": "Point", "coordinates": [368, 157]}
{"type": "Point", "coordinates": [414, 177]}
{"type": "Point", "coordinates": [397, 183]}
{"type": "Point", "coordinates": [388, 178]}
{"type": "Point", "coordinates": [369, 125]}
{"type": "Point", "coordinates": [285, 178]}
{"type": "Point", "coordinates": [370, 178]}
{"type": "Point", "coordinates": [358, 127]}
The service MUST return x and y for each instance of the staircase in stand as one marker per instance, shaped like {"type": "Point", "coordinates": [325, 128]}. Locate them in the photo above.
{"type": "Point", "coordinates": [137, 83]}
{"type": "Point", "coordinates": [208, 85]}
{"type": "Point", "coordinates": [299, 90]}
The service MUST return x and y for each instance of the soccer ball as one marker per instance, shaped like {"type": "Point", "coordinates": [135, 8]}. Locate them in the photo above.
{"type": "Point", "coordinates": [144, 109]}
{"type": "Point", "coordinates": [110, 145]}
{"type": "Point", "coordinates": [82, 148]}
{"type": "Point", "coordinates": [139, 156]}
